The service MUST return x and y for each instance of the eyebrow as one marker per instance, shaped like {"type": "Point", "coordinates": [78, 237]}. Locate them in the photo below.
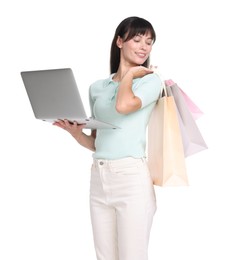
{"type": "Point", "coordinates": [141, 35]}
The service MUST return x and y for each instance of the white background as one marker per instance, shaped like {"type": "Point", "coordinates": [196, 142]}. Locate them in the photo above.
{"type": "Point", "coordinates": [44, 173]}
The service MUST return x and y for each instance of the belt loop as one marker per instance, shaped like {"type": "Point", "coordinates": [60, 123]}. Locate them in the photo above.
{"type": "Point", "coordinates": [95, 162]}
{"type": "Point", "coordinates": [143, 159]}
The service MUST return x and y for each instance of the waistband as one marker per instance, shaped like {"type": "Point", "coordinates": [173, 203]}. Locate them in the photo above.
{"type": "Point", "coordinates": [116, 162]}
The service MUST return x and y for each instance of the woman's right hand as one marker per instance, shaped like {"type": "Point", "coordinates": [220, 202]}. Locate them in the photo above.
{"type": "Point", "coordinates": [73, 128]}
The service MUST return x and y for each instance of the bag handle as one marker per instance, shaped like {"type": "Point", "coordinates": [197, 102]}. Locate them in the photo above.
{"type": "Point", "coordinates": [163, 90]}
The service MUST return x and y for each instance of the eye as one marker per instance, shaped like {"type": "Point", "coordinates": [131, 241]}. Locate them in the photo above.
{"type": "Point", "coordinates": [137, 38]}
{"type": "Point", "coordinates": [149, 43]}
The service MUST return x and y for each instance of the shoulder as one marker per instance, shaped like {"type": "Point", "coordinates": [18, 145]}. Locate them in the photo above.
{"type": "Point", "coordinates": [153, 77]}
{"type": "Point", "coordinates": [149, 80]}
{"type": "Point", "coordinates": [98, 85]}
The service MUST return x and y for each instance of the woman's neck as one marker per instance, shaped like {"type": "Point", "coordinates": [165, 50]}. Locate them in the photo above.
{"type": "Point", "coordinates": [120, 73]}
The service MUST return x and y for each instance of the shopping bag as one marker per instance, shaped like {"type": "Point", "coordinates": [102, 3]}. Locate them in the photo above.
{"type": "Point", "coordinates": [165, 153]}
{"type": "Point", "coordinates": [193, 108]}
{"type": "Point", "coordinates": [192, 139]}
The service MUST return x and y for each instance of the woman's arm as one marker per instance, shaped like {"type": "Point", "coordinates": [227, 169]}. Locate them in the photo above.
{"type": "Point", "coordinates": [75, 130]}
{"type": "Point", "coordinates": [127, 102]}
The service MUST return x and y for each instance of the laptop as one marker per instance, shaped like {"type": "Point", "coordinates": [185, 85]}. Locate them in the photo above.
{"type": "Point", "coordinates": [54, 95]}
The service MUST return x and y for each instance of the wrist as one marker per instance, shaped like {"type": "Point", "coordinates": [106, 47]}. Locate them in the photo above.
{"type": "Point", "coordinates": [78, 136]}
{"type": "Point", "coordinates": [129, 75]}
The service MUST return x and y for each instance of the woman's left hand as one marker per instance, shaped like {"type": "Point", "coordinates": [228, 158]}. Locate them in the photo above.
{"type": "Point", "coordinates": [141, 71]}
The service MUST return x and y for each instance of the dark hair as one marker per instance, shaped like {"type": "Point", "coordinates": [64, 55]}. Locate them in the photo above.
{"type": "Point", "coordinates": [127, 29]}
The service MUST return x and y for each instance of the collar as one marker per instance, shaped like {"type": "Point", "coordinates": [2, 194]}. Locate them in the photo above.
{"type": "Point", "coordinates": [110, 80]}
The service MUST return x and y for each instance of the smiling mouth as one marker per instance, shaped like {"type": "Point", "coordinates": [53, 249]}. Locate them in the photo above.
{"type": "Point", "coordinates": [141, 55]}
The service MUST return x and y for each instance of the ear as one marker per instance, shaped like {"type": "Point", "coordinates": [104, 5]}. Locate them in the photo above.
{"type": "Point", "coordinates": [119, 42]}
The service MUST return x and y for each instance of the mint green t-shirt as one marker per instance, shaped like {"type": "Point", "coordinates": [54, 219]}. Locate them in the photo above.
{"type": "Point", "coordinates": [130, 139]}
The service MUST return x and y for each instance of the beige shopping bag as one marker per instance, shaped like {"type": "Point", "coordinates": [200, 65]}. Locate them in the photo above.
{"type": "Point", "coordinates": [166, 158]}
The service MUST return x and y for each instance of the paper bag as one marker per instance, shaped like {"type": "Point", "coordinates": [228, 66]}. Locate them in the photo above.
{"type": "Point", "coordinates": [193, 141]}
{"type": "Point", "coordinates": [193, 108]}
{"type": "Point", "coordinates": [166, 160]}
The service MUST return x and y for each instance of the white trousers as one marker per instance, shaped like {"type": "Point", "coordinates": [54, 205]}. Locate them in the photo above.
{"type": "Point", "coordinates": [122, 206]}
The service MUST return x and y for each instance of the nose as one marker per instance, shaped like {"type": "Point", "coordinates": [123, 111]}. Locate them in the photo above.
{"type": "Point", "coordinates": [143, 45]}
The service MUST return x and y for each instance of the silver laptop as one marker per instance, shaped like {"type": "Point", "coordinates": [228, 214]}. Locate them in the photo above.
{"type": "Point", "coordinates": [54, 95]}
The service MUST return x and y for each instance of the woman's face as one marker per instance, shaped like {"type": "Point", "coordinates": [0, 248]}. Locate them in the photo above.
{"type": "Point", "coordinates": [137, 50]}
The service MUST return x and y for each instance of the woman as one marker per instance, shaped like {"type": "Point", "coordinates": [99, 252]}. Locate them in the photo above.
{"type": "Point", "coordinates": [122, 197]}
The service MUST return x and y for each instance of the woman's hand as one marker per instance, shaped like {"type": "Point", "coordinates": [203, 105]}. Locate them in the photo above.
{"type": "Point", "coordinates": [139, 71]}
{"type": "Point", "coordinates": [73, 128]}
{"type": "Point", "coordinates": [88, 141]}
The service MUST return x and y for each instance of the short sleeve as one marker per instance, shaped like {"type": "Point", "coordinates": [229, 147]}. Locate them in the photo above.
{"type": "Point", "coordinates": [148, 89]}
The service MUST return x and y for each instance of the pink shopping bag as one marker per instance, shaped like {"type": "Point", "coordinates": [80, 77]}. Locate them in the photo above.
{"type": "Point", "coordinates": [193, 108]}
